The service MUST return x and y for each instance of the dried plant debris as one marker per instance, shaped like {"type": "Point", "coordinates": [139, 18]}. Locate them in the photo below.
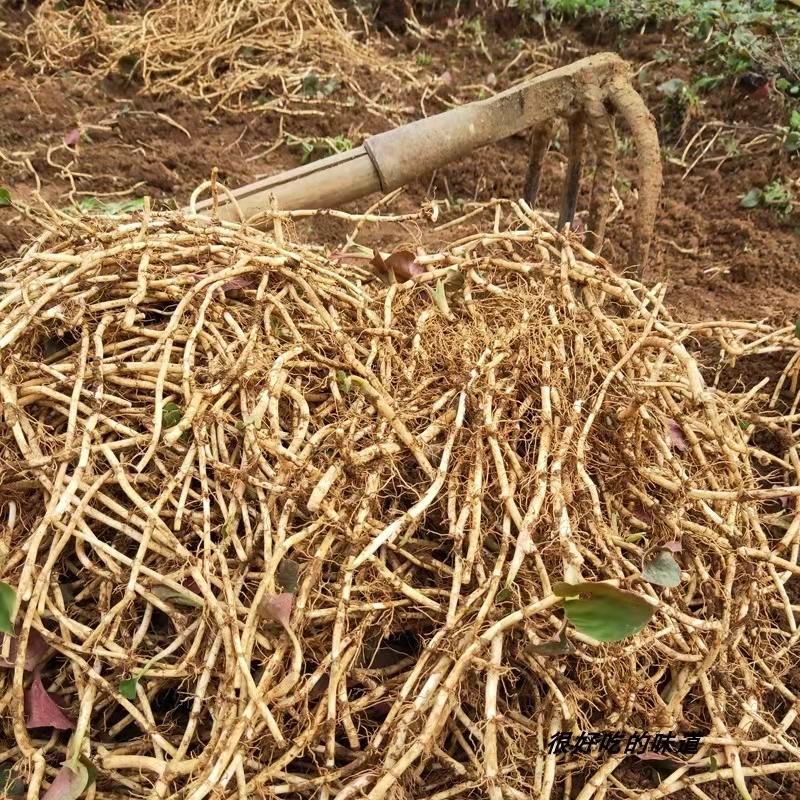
{"type": "Point", "coordinates": [231, 53]}
{"type": "Point", "coordinates": [321, 533]}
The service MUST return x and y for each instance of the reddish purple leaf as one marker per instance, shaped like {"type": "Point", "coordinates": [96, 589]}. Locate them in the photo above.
{"type": "Point", "coordinates": [278, 607]}
{"type": "Point", "coordinates": [379, 264]}
{"type": "Point", "coordinates": [71, 138]}
{"type": "Point", "coordinates": [673, 547]}
{"type": "Point", "coordinates": [642, 513]}
{"type": "Point", "coordinates": [69, 784]}
{"type": "Point", "coordinates": [42, 709]}
{"type": "Point", "coordinates": [786, 500]}
{"type": "Point", "coordinates": [403, 264]}
{"type": "Point", "coordinates": [34, 652]}
{"type": "Point", "coordinates": [239, 282]}
{"type": "Point", "coordinates": [675, 437]}
{"type": "Point", "coordinates": [446, 78]}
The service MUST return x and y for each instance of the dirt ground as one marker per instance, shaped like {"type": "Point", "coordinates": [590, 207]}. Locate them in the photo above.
{"type": "Point", "coordinates": [719, 259]}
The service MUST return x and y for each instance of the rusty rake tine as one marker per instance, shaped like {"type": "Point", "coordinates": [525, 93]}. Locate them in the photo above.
{"type": "Point", "coordinates": [540, 142]}
{"type": "Point", "coordinates": [604, 143]}
{"type": "Point", "coordinates": [569, 197]}
{"type": "Point", "coordinates": [642, 126]}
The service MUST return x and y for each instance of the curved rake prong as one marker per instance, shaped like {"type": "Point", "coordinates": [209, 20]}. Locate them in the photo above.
{"type": "Point", "coordinates": [540, 142]}
{"type": "Point", "coordinates": [642, 126]}
{"type": "Point", "coordinates": [577, 143]}
{"type": "Point", "coordinates": [604, 142]}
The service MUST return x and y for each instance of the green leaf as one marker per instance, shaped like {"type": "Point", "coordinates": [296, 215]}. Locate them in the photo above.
{"type": "Point", "coordinates": [662, 569]}
{"type": "Point", "coordinates": [8, 602]}
{"type": "Point", "coordinates": [601, 611]}
{"type": "Point", "coordinates": [712, 764]}
{"type": "Point", "coordinates": [635, 537]}
{"type": "Point", "coordinates": [503, 595]}
{"type": "Point", "coordinates": [171, 415]}
{"type": "Point", "coordinates": [440, 298]}
{"type": "Point", "coordinates": [797, 328]}
{"type": "Point", "coordinates": [10, 784]}
{"type": "Point", "coordinates": [791, 144]}
{"type": "Point", "coordinates": [93, 205]}
{"type": "Point", "coordinates": [5, 197]}
{"type": "Point", "coordinates": [794, 120]}
{"type": "Point", "coordinates": [127, 688]}
{"type": "Point", "coordinates": [752, 199]}
{"type": "Point", "coordinates": [311, 85]}
{"type": "Point", "coordinates": [343, 381]}
{"type": "Point", "coordinates": [671, 87]}
{"type": "Point", "coordinates": [288, 574]}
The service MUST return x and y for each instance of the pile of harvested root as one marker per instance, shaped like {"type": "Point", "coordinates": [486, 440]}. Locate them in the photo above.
{"type": "Point", "coordinates": [273, 525]}
{"type": "Point", "coordinates": [231, 53]}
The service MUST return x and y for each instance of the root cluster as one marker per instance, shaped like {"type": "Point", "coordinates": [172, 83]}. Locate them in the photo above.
{"type": "Point", "coordinates": [204, 423]}
{"type": "Point", "coordinates": [229, 53]}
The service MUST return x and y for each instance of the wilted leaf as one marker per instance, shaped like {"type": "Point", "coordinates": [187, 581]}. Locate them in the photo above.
{"type": "Point", "coordinates": [72, 137]}
{"type": "Point", "coordinates": [42, 709]}
{"type": "Point", "coordinates": [554, 647]}
{"type": "Point", "coordinates": [172, 596]}
{"type": "Point", "coordinates": [239, 282]}
{"type": "Point", "coordinates": [288, 574]}
{"type": "Point", "coordinates": [752, 199]}
{"type": "Point", "coordinates": [5, 197]}
{"type": "Point", "coordinates": [10, 784]}
{"type": "Point", "coordinates": [404, 265]}
{"type": "Point", "coordinates": [713, 766]}
{"type": "Point", "coordinates": [69, 784]}
{"type": "Point", "coordinates": [34, 652]}
{"type": "Point", "coordinates": [8, 601]}
{"type": "Point", "coordinates": [671, 87]}
{"type": "Point", "coordinates": [503, 595]}
{"type": "Point", "coordinates": [601, 611]}
{"type": "Point", "coordinates": [675, 437]}
{"type": "Point", "coordinates": [380, 265]}
{"type": "Point", "coordinates": [127, 688]}
{"type": "Point", "coordinates": [278, 607]}
{"type": "Point", "coordinates": [662, 569]}
{"type": "Point", "coordinates": [171, 415]}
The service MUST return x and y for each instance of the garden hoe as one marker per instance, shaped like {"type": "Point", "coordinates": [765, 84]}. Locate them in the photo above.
{"type": "Point", "coordinates": [588, 94]}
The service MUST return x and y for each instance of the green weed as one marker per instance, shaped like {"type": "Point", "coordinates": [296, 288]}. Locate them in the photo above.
{"type": "Point", "coordinates": [319, 147]}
